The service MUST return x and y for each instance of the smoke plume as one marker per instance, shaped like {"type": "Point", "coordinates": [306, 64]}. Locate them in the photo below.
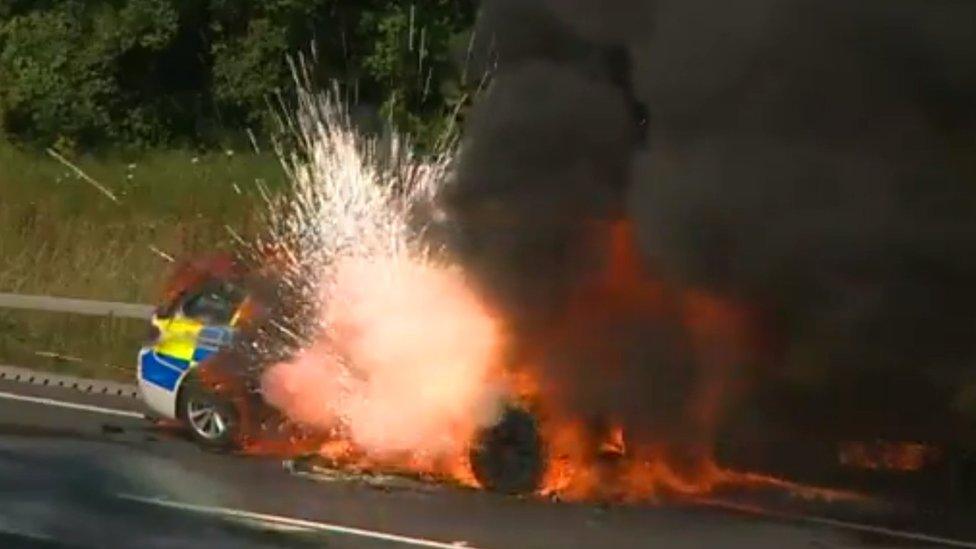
{"type": "Point", "coordinates": [810, 160]}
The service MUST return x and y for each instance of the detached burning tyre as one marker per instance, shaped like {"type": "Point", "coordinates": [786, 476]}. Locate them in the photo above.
{"type": "Point", "coordinates": [507, 457]}
{"type": "Point", "coordinates": [212, 420]}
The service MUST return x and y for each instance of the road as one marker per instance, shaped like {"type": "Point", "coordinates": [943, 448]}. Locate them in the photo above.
{"type": "Point", "coordinates": [96, 474]}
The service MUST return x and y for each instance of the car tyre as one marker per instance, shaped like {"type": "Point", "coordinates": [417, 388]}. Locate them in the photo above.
{"type": "Point", "coordinates": [507, 457]}
{"type": "Point", "coordinates": [213, 421]}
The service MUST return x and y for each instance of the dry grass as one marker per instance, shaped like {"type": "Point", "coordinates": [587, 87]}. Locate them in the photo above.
{"type": "Point", "coordinates": [103, 348]}
{"type": "Point", "coordinates": [60, 236]}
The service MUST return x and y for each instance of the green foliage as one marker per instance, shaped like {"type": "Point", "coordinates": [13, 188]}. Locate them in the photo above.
{"type": "Point", "coordinates": [249, 68]}
{"type": "Point", "coordinates": [60, 236]}
{"type": "Point", "coordinates": [50, 88]}
{"type": "Point", "coordinates": [89, 73]}
{"type": "Point", "coordinates": [416, 60]}
{"type": "Point", "coordinates": [58, 65]}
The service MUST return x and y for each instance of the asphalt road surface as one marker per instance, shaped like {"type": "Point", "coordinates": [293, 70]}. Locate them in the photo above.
{"type": "Point", "coordinates": [96, 474]}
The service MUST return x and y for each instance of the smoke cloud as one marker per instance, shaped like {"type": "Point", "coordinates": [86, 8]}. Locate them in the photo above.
{"type": "Point", "coordinates": [810, 160]}
{"type": "Point", "coordinates": [809, 157]}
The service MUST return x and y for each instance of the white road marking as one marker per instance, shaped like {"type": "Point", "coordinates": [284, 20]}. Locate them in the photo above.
{"type": "Point", "coordinates": [835, 523]}
{"type": "Point", "coordinates": [295, 523]}
{"type": "Point", "coordinates": [72, 405]}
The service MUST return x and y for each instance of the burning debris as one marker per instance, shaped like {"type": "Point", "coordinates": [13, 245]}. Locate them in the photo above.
{"type": "Point", "coordinates": [323, 470]}
{"type": "Point", "coordinates": [882, 455]}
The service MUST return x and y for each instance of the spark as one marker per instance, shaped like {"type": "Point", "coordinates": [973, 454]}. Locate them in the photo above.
{"type": "Point", "coordinates": [285, 330]}
{"type": "Point", "coordinates": [165, 256]}
{"type": "Point", "coordinates": [101, 188]}
{"type": "Point", "coordinates": [387, 308]}
{"type": "Point", "coordinates": [236, 236]}
{"type": "Point", "coordinates": [58, 356]}
{"type": "Point", "coordinates": [254, 141]}
{"type": "Point", "coordinates": [413, 13]}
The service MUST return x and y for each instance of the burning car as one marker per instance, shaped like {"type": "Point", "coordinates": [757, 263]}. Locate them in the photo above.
{"type": "Point", "coordinates": [196, 369]}
{"type": "Point", "coordinates": [196, 321]}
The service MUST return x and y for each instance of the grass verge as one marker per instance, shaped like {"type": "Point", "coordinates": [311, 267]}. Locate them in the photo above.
{"type": "Point", "coordinates": [60, 236]}
{"type": "Point", "coordinates": [85, 346]}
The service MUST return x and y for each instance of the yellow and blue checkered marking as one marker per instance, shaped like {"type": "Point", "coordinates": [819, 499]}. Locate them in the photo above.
{"type": "Point", "coordinates": [161, 370]}
{"type": "Point", "coordinates": [183, 343]}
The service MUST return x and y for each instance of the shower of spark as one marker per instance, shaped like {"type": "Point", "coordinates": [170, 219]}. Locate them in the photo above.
{"type": "Point", "coordinates": [402, 358]}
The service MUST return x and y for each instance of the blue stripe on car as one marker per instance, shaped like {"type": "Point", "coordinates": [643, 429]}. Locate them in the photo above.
{"type": "Point", "coordinates": [215, 336]}
{"type": "Point", "coordinates": [160, 370]}
{"type": "Point", "coordinates": [202, 353]}
{"type": "Point", "coordinates": [210, 341]}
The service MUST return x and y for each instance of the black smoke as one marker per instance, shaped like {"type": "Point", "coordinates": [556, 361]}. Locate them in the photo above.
{"type": "Point", "coordinates": [545, 167]}
{"type": "Point", "coordinates": [816, 158]}
{"type": "Point", "coordinates": [812, 159]}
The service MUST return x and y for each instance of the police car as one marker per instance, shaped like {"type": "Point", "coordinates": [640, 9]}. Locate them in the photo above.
{"type": "Point", "coordinates": [196, 324]}
{"type": "Point", "coordinates": [190, 372]}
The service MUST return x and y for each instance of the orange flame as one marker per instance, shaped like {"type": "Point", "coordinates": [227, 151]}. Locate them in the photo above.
{"type": "Point", "coordinates": [411, 370]}
{"type": "Point", "coordinates": [592, 461]}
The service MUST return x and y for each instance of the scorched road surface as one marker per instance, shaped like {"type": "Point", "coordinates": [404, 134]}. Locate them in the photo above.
{"type": "Point", "coordinates": [96, 474]}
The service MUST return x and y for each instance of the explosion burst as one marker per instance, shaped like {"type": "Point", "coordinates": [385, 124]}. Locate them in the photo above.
{"type": "Point", "coordinates": [398, 355]}
{"type": "Point", "coordinates": [389, 352]}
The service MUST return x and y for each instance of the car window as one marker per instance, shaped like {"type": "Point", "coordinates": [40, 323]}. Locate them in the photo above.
{"type": "Point", "coordinates": [214, 304]}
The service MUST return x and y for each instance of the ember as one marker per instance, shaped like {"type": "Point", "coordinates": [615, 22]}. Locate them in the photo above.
{"type": "Point", "coordinates": [883, 455]}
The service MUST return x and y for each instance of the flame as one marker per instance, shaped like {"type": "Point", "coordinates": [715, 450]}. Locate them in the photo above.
{"type": "Point", "coordinates": [613, 444]}
{"type": "Point", "coordinates": [587, 461]}
{"type": "Point", "coordinates": [406, 364]}
{"type": "Point", "coordinates": [575, 472]}
{"type": "Point", "coordinates": [409, 369]}
{"type": "Point", "coordinates": [604, 459]}
{"type": "Point", "coordinates": [647, 475]}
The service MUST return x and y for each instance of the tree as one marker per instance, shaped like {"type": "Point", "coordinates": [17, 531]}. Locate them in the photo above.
{"type": "Point", "coordinates": [57, 70]}
{"type": "Point", "coordinates": [155, 72]}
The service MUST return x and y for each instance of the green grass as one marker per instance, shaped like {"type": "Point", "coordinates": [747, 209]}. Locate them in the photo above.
{"type": "Point", "coordinates": [102, 348]}
{"type": "Point", "coordinates": [60, 236]}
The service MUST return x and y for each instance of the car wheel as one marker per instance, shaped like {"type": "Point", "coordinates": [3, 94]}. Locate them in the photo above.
{"type": "Point", "coordinates": [212, 420]}
{"type": "Point", "coordinates": [507, 457]}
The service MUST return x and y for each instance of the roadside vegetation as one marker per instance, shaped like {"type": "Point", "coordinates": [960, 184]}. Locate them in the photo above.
{"type": "Point", "coordinates": [85, 346]}
{"type": "Point", "coordinates": [160, 102]}
{"type": "Point", "coordinates": [60, 236]}
{"type": "Point", "coordinates": [130, 74]}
